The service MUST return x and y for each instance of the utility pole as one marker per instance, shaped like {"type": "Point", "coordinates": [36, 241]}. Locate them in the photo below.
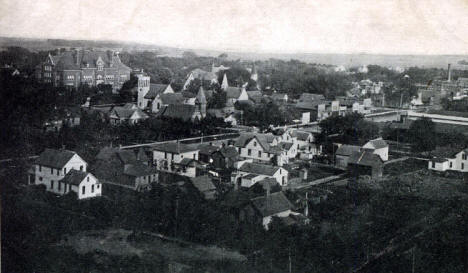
{"type": "Point", "coordinates": [290, 262]}
{"type": "Point", "coordinates": [412, 254]}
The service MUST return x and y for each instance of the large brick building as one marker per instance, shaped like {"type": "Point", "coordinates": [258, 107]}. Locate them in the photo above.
{"type": "Point", "coordinates": [76, 67]}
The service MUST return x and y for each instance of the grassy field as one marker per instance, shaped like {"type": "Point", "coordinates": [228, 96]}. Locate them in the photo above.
{"type": "Point", "coordinates": [120, 242]}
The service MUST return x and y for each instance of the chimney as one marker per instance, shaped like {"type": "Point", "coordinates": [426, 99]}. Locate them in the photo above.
{"type": "Point", "coordinates": [449, 73]}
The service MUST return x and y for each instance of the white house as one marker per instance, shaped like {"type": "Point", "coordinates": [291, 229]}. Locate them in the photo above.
{"type": "Point", "coordinates": [261, 148]}
{"type": "Point", "coordinates": [83, 183]}
{"type": "Point", "coordinates": [152, 98]}
{"type": "Point", "coordinates": [53, 165]}
{"type": "Point", "coordinates": [449, 160]}
{"type": "Point", "coordinates": [126, 114]}
{"type": "Point", "coordinates": [304, 142]}
{"type": "Point", "coordinates": [379, 147]}
{"type": "Point", "coordinates": [254, 172]}
{"type": "Point", "coordinates": [176, 158]}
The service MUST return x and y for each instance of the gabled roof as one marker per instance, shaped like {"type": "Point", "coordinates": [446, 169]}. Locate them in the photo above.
{"type": "Point", "coordinates": [54, 158]}
{"type": "Point", "coordinates": [300, 135]}
{"type": "Point", "coordinates": [183, 111]}
{"type": "Point", "coordinates": [376, 144]}
{"type": "Point", "coordinates": [125, 113]}
{"type": "Point", "coordinates": [201, 95]}
{"type": "Point", "coordinates": [203, 183]}
{"type": "Point", "coordinates": [204, 75]}
{"type": "Point", "coordinates": [138, 169]}
{"type": "Point", "coordinates": [229, 152]}
{"type": "Point", "coordinates": [75, 60]}
{"type": "Point", "coordinates": [255, 93]}
{"type": "Point", "coordinates": [187, 162]}
{"type": "Point", "coordinates": [365, 158]}
{"type": "Point", "coordinates": [207, 149]}
{"type": "Point", "coordinates": [175, 148]}
{"type": "Point", "coordinates": [310, 101]}
{"type": "Point", "coordinates": [268, 182]}
{"type": "Point", "coordinates": [272, 204]}
{"type": "Point", "coordinates": [285, 145]}
{"type": "Point", "coordinates": [259, 168]}
{"type": "Point", "coordinates": [278, 96]}
{"type": "Point", "coordinates": [347, 150]}
{"type": "Point", "coordinates": [155, 90]}
{"type": "Point", "coordinates": [74, 177]}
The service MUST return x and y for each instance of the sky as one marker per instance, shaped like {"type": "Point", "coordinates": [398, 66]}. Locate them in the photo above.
{"type": "Point", "coordinates": [270, 26]}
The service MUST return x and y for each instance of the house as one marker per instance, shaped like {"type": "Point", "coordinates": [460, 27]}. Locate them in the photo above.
{"type": "Point", "coordinates": [305, 143]}
{"type": "Point", "coordinates": [124, 168]}
{"type": "Point", "coordinates": [365, 162]}
{"type": "Point", "coordinates": [151, 99]}
{"type": "Point", "coordinates": [261, 148]}
{"type": "Point", "coordinates": [206, 151]}
{"type": "Point", "coordinates": [228, 116]}
{"type": "Point", "coordinates": [126, 114]}
{"type": "Point", "coordinates": [262, 209]}
{"type": "Point", "coordinates": [234, 94]}
{"type": "Point", "coordinates": [331, 108]}
{"type": "Point", "coordinates": [176, 158]}
{"type": "Point", "coordinates": [260, 171]}
{"type": "Point", "coordinates": [84, 184]}
{"type": "Point", "coordinates": [70, 117]}
{"type": "Point", "coordinates": [379, 147]}
{"type": "Point", "coordinates": [52, 166]}
{"type": "Point", "coordinates": [184, 112]}
{"type": "Point", "coordinates": [202, 75]}
{"type": "Point", "coordinates": [309, 102]}
{"type": "Point", "coordinates": [204, 186]}
{"type": "Point", "coordinates": [447, 158]}
{"type": "Point", "coordinates": [280, 97]}
{"type": "Point", "coordinates": [225, 157]}
{"type": "Point", "coordinates": [74, 68]}
{"type": "Point", "coordinates": [343, 153]}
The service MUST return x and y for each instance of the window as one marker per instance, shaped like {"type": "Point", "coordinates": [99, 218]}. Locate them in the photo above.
{"type": "Point", "coordinates": [280, 171]}
{"type": "Point", "coordinates": [255, 144]}
{"type": "Point", "coordinates": [282, 180]}
{"type": "Point", "coordinates": [165, 155]}
{"type": "Point", "coordinates": [97, 186]}
{"type": "Point", "coordinates": [83, 189]}
{"type": "Point", "coordinates": [92, 188]}
{"type": "Point", "coordinates": [433, 164]}
{"type": "Point", "coordinates": [40, 178]}
{"type": "Point", "coordinates": [40, 168]}
{"type": "Point", "coordinates": [464, 156]}
{"type": "Point", "coordinates": [51, 184]}
{"type": "Point", "coordinates": [58, 172]}
{"type": "Point", "coordinates": [59, 185]}
{"type": "Point", "coordinates": [259, 153]}
{"type": "Point", "coordinates": [81, 168]}
{"type": "Point", "coordinates": [87, 179]}
{"type": "Point", "coordinates": [194, 155]}
{"type": "Point", "coordinates": [64, 170]}
{"type": "Point", "coordinates": [463, 166]}
{"type": "Point", "coordinates": [100, 67]}
{"type": "Point", "coordinates": [249, 152]}
{"type": "Point", "coordinates": [69, 187]}
{"type": "Point", "coordinates": [70, 77]}
{"type": "Point", "coordinates": [450, 165]}
{"type": "Point", "coordinates": [51, 170]}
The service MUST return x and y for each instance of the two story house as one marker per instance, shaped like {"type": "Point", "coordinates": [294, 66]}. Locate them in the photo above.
{"type": "Point", "coordinates": [445, 159]}
{"type": "Point", "coordinates": [51, 168]}
{"type": "Point", "coordinates": [176, 158]}
{"type": "Point", "coordinates": [250, 173]}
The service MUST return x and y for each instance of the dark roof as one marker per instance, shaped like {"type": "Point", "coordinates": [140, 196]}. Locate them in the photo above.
{"type": "Point", "coordinates": [207, 149]}
{"type": "Point", "coordinates": [268, 182]}
{"type": "Point", "coordinates": [445, 152]}
{"type": "Point", "coordinates": [250, 176]}
{"type": "Point", "coordinates": [255, 93]}
{"type": "Point", "coordinates": [310, 101]}
{"type": "Point", "coordinates": [175, 148]}
{"type": "Point", "coordinates": [300, 135]}
{"type": "Point", "coordinates": [229, 152]}
{"type": "Point", "coordinates": [155, 89]}
{"type": "Point", "coordinates": [347, 150]}
{"type": "Point", "coordinates": [74, 177]}
{"type": "Point", "coordinates": [259, 168]}
{"type": "Point", "coordinates": [125, 156]}
{"type": "Point", "coordinates": [203, 183]}
{"type": "Point", "coordinates": [285, 145]}
{"type": "Point", "coordinates": [126, 113]}
{"type": "Point", "coordinates": [138, 169]}
{"type": "Point", "coordinates": [201, 95]}
{"type": "Point", "coordinates": [278, 96]}
{"type": "Point", "coordinates": [365, 158]}
{"type": "Point", "coordinates": [182, 111]}
{"type": "Point", "coordinates": [54, 158]}
{"type": "Point", "coordinates": [141, 155]}
{"type": "Point", "coordinates": [187, 162]}
{"type": "Point", "coordinates": [87, 59]}
{"type": "Point", "coordinates": [172, 98]}
{"type": "Point", "coordinates": [272, 204]}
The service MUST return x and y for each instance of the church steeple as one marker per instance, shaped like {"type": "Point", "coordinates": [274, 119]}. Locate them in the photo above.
{"type": "Point", "coordinates": [224, 84]}
{"type": "Point", "coordinates": [201, 101]}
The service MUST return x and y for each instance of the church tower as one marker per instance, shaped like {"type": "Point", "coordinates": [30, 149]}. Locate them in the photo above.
{"type": "Point", "coordinates": [224, 84]}
{"type": "Point", "coordinates": [201, 101]}
{"type": "Point", "coordinates": [254, 74]}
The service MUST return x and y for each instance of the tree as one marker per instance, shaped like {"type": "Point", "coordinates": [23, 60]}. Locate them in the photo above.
{"type": "Point", "coordinates": [218, 100]}
{"type": "Point", "coordinates": [422, 135]}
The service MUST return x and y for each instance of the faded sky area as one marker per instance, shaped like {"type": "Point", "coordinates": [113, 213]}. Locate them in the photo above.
{"type": "Point", "coordinates": [279, 26]}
